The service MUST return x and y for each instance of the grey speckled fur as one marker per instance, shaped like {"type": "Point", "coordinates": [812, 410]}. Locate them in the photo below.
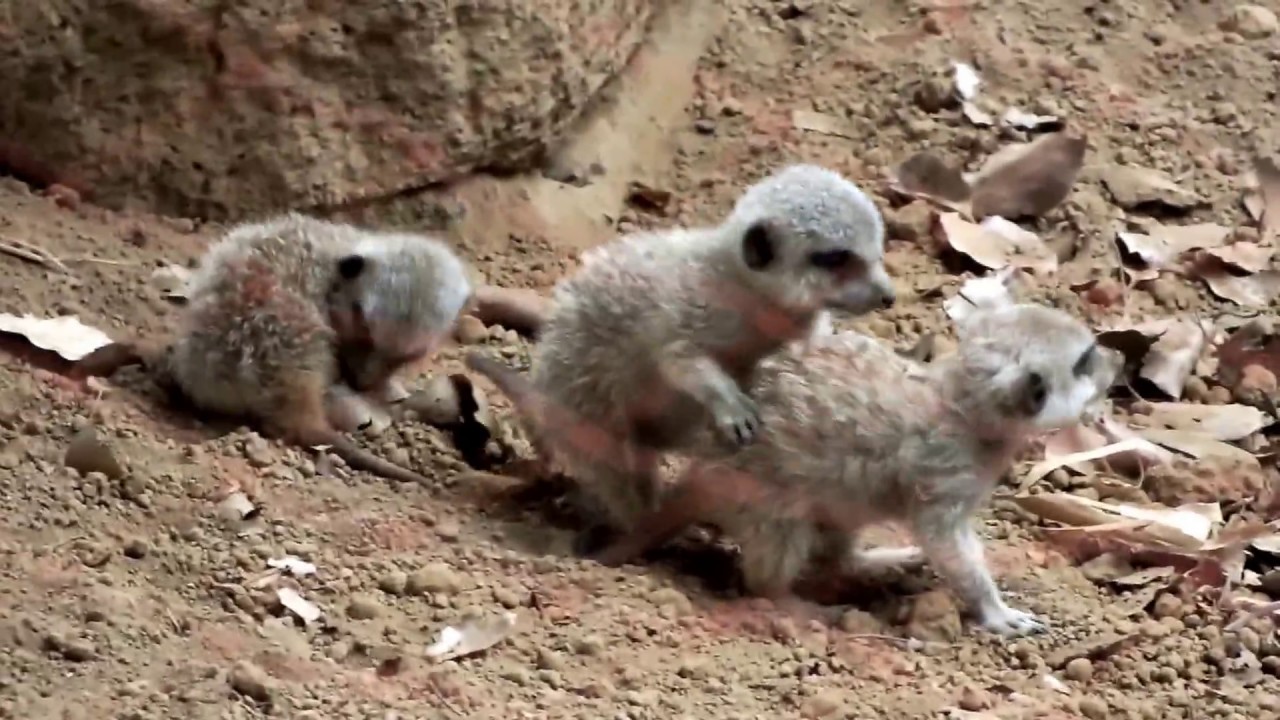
{"type": "Point", "coordinates": [855, 434]}
{"type": "Point", "coordinates": [656, 334]}
{"type": "Point", "coordinates": [271, 324]}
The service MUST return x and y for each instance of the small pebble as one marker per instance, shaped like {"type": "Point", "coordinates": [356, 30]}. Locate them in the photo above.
{"type": "Point", "coordinates": [363, 607]}
{"type": "Point", "coordinates": [1079, 670]}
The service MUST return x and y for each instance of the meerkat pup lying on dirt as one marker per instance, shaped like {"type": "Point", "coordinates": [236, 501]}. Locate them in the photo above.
{"type": "Point", "coordinates": [657, 333]}
{"type": "Point", "coordinates": [855, 434]}
{"type": "Point", "coordinates": [294, 320]}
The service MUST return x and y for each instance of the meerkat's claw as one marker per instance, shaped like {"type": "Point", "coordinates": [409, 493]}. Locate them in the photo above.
{"type": "Point", "coordinates": [737, 418]}
{"type": "Point", "coordinates": [1011, 622]}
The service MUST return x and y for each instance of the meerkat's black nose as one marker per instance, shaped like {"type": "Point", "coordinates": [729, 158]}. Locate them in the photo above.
{"type": "Point", "coordinates": [888, 299]}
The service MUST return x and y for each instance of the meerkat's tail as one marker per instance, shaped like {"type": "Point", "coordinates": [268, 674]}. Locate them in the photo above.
{"type": "Point", "coordinates": [361, 459]}
{"type": "Point", "coordinates": [106, 360]}
{"type": "Point", "coordinates": [530, 406]}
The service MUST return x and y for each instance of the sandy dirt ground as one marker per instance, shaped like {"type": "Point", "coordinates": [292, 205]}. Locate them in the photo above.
{"type": "Point", "coordinates": [129, 589]}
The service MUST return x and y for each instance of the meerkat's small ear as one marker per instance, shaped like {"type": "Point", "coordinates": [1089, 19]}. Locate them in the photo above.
{"type": "Point", "coordinates": [758, 248]}
{"type": "Point", "coordinates": [351, 266]}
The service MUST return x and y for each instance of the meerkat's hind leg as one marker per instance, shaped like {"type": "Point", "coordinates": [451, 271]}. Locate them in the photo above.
{"type": "Point", "coordinates": [688, 369]}
{"type": "Point", "coordinates": [301, 417]}
{"type": "Point", "coordinates": [955, 551]}
{"type": "Point", "coordinates": [622, 489]}
{"type": "Point", "coordinates": [694, 498]}
{"type": "Point", "coordinates": [774, 553]}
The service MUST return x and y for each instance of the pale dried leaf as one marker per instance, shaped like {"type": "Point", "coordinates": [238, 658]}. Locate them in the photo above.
{"type": "Point", "coordinates": [1253, 205]}
{"type": "Point", "coordinates": [1162, 245]}
{"type": "Point", "coordinates": [1013, 117]}
{"type": "Point", "coordinates": [1044, 467]}
{"type": "Point", "coordinates": [988, 291]}
{"type": "Point", "coordinates": [1180, 528]}
{"type": "Point", "coordinates": [821, 123]}
{"type": "Point", "coordinates": [64, 335]}
{"type": "Point", "coordinates": [967, 80]}
{"type": "Point", "coordinates": [976, 115]}
{"type": "Point", "coordinates": [471, 637]}
{"type": "Point", "coordinates": [296, 567]}
{"type": "Point", "coordinates": [1055, 684]}
{"type": "Point", "coordinates": [1258, 290]}
{"type": "Point", "coordinates": [1028, 179]}
{"type": "Point", "coordinates": [1220, 422]}
{"type": "Point", "coordinates": [997, 243]}
{"type": "Point", "coordinates": [1247, 256]}
{"type": "Point", "coordinates": [305, 610]}
{"type": "Point", "coordinates": [1135, 456]}
{"type": "Point", "coordinates": [1269, 192]}
{"type": "Point", "coordinates": [1199, 446]}
{"type": "Point", "coordinates": [237, 506]}
{"type": "Point", "coordinates": [1268, 544]}
{"type": "Point", "coordinates": [1171, 359]}
{"type": "Point", "coordinates": [1132, 187]}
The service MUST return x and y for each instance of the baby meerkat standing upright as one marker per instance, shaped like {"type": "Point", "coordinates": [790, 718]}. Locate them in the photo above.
{"type": "Point", "coordinates": [854, 434]}
{"type": "Point", "coordinates": [288, 317]}
{"type": "Point", "coordinates": [657, 333]}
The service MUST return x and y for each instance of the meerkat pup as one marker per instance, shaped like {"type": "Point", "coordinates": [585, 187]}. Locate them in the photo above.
{"type": "Point", "coordinates": [855, 434]}
{"type": "Point", "coordinates": [294, 320]}
{"type": "Point", "coordinates": [657, 333]}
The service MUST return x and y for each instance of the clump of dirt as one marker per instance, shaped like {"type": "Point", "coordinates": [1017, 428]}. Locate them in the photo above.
{"type": "Point", "coordinates": [152, 561]}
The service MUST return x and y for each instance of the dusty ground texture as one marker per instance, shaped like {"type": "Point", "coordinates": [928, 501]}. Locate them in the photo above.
{"type": "Point", "coordinates": [128, 591]}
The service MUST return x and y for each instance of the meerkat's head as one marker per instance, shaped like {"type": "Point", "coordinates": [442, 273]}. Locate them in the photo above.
{"type": "Point", "coordinates": [1030, 368]}
{"type": "Point", "coordinates": [396, 299]}
{"type": "Point", "coordinates": [812, 239]}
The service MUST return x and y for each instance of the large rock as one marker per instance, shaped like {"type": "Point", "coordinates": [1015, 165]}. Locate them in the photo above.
{"type": "Point", "coordinates": [224, 109]}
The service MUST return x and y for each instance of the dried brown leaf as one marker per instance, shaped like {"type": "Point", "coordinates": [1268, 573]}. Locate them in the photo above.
{"type": "Point", "coordinates": [1162, 245]}
{"type": "Point", "coordinates": [928, 177]}
{"type": "Point", "coordinates": [1254, 343]}
{"type": "Point", "coordinates": [822, 123]}
{"type": "Point", "coordinates": [1220, 422]}
{"type": "Point", "coordinates": [1132, 187]}
{"type": "Point", "coordinates": [1028, 180]}
{"type": "Point", "coordinates": [1171, 359]}
{"type": "Point", "coordinates": [1199, 445]}
{"type": "Point", "coordinates": [996, 243]}
{"type": "Point", "coordinates": [471, 637]}
{"type": "Point", "coordinates": [1269, 193]}
{"type": "Point", "coordinates": [1014, 117]}
{"type": "Point", "coordinates": [1257, 290]}
{"type": "Point", "coordinates": [65, 335]}
{"type": "Point", "coordinates": [1246, 256]}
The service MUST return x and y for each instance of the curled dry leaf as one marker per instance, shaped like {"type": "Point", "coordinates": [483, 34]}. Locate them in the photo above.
{"type": "Point", "coordinates": [1256, 290]}
{"type": "Point", "coordinates": [1136, 341]}
{"type": "Point", "coordinates": [1245, 256]}
{"type": "Point", "coordinates": [1134, 187]}
{"type": "Point", "coordinates": [928, 177]}
{"type": "Point", "coordinates": [976, 115]}
{"type": "Point", "coordinates": [988, 291]}
{"type": "Point", "coordinates": [1171, 359]}
{"type": "Point", "coordinates": [305, 610]}
{"type": "Point", "coordinates": [1015, 118]}
{"type": "Point", "coordinates": [1199, 446]}
{"type": "Point", "coordinates": [1162, 245]}
{"type": "Point", "coordinates": [471, 637]}
{"type": "Point", "coordinates": [1133, 451]}
{"type": "Point", "coordinates": [1187, 528]}
{"type": "Point", "coordinates": [296, 567]}
{"type": "Point", "coordinates": [1220, 422]}
{"type": "Point", "coordinates": [66, 335]}
{"type": "Point", "coordinates": [821, 123]}
{"type": "Point", "coordinates": [996, 243]}
{"type": "Point", "coordinates": [1269, 195]}
{"type": "Point", "coordinates": [1028, 180]}
{"type": "Point", "coordinates": [1120, 448]}
{"type": "Point", "coordinates": [967, 80]}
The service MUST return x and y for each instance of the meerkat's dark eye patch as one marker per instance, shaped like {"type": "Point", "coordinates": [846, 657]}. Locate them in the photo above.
{"type": "Point", "coordinates": [1085, 362]}
{"type": "Point", "coordinates": [758, 249]}
{"type": "Point", "coordinates": [350, 267]}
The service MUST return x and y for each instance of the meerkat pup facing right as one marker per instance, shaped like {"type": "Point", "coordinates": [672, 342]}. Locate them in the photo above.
{"type": "Point", "coordinates": [657, 333]}
{"type": "Point", "coordinates": [855, 434]}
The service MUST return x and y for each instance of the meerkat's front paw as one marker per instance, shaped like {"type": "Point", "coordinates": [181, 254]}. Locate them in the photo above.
{"type": "Point", "coordinates": [1010, 622]}
{"type": "Point", "coordinates": [737, 418]}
